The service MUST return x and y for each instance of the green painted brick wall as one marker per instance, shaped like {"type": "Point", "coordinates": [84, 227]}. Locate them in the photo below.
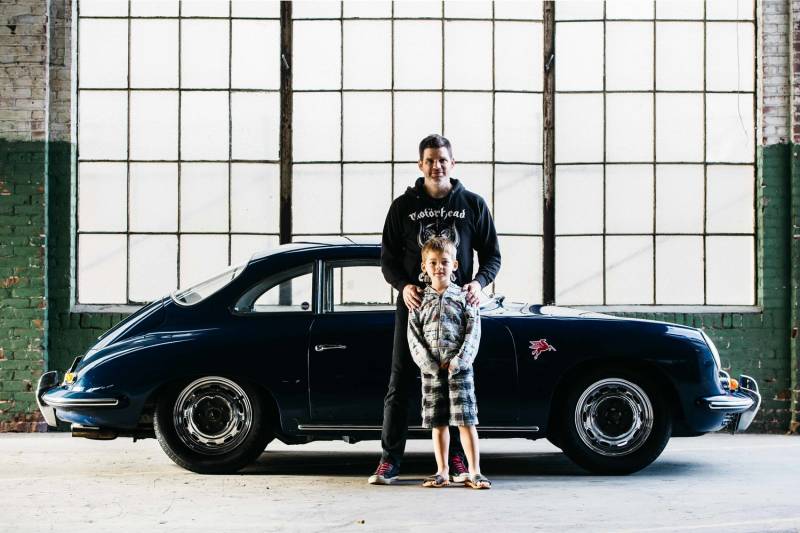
{"type": "Point", "coordinates": [758, 344]}
{"type": "Point", "coordinates": [22, 278]}
{"type": "Point", "coordinates": [794, 296]}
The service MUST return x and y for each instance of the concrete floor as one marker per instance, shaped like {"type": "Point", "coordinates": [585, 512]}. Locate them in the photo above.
{"type": "Point", "coordinates": [53, 482]}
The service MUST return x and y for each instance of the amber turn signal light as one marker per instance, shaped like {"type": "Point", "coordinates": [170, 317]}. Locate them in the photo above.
{"type": "Point", "coordinates": [734, 384]}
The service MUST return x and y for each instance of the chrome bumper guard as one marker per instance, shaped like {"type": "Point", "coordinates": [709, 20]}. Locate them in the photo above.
{"type": "Point", "coordinates": [741, 406]}
{"type": "Point", "coordinates": [47, 382]}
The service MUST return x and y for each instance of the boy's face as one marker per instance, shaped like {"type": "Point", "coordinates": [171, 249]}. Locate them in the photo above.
{"type": "Point", "coordinates": [439, 266]}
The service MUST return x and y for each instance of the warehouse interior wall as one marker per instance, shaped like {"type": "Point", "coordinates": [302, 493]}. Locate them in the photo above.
{"type": "Point", "coordinates": [41, 329]}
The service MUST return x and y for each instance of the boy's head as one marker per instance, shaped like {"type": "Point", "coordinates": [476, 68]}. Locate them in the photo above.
{"type": "Point", "coordinates": [439, 260]}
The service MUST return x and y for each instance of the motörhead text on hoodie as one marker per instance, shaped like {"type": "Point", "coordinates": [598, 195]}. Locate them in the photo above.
{"type": "Point", "coordinates": [462, 217]}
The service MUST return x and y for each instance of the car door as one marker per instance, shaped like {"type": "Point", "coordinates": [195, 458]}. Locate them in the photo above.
{"type": "Point", "coordinates": [273, 319]}
{"type": "Point", "coordinates": [350, 345]}
{"type": "Point", "coordinates": [350, 351]}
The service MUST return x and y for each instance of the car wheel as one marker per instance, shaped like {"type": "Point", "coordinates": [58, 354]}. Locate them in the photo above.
{"type": "Point", "coordinates": [212, 425]}
{"type": "Point", "coordinates": [614, 423]}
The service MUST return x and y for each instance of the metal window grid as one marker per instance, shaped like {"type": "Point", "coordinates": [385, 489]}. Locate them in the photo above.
{"type": "Point", "coordinates": [704, 162]}
{"type": "Point", "coordinates": [285, 161]}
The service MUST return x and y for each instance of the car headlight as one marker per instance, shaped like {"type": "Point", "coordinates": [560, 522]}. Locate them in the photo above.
{"type": "Point", "coordinates": [713, 349]}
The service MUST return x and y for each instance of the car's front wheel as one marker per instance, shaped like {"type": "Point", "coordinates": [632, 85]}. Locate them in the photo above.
{"type": "Point", "coordinates": [614, 422]}
{"type": "Point", "coordinates": [212, 425]}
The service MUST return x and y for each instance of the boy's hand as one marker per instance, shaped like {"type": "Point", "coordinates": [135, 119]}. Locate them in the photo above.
{"type": "Point", "coordinates": [411, 296]}
{"type": "Point", "coordinates": [453, 366]}
{"type": "Point", "coordinates": [473, 290]}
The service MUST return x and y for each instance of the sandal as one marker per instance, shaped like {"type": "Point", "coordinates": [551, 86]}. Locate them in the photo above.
{"type": "Point", "coordinates": [435, 481]}
{"type": "Point", "coordinates": [478, 481]}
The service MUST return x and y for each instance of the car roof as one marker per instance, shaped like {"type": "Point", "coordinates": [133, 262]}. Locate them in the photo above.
{"type": "Point", "coordinates": [333, 244]}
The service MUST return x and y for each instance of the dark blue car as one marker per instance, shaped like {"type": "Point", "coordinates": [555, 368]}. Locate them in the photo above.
{"type": "Point", "coordinates": [296, 345]}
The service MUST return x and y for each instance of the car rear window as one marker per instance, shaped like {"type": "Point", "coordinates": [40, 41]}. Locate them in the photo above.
{"type": "Point", "coordinates": [201, 291]}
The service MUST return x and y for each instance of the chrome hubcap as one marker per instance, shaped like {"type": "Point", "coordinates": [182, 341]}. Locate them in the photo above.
{"type": "Point", "coordinates": [614, 417]}
{"type": "Point", "coordinates": [212, 415]}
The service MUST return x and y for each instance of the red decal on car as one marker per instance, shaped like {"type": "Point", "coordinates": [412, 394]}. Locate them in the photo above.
{"type": "Point", "coordinates": [541, 346]}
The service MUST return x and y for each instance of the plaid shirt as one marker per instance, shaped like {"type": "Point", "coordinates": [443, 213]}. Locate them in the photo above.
{"type": "Point", "coordinates": [445, 329]}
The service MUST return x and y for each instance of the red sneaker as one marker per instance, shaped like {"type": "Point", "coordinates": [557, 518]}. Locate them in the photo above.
{"type": "Point", "coordinates": [459, 472]}
{"type": "Point", "coordinates": [386, 474]}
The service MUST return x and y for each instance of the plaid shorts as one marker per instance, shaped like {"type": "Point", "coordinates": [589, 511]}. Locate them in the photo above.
{"type": "Point", "coordinates": [449, 400]}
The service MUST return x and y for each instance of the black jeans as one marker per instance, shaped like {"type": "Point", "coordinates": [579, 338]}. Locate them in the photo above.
{"type": "Point", "coordinates": [402, 382]}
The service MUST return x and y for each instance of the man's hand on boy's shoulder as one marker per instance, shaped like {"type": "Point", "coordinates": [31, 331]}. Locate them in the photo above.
{"type": "Point", "coordinates": [473, 290]}
{"type": "Point", "coordinates": [411, 296]}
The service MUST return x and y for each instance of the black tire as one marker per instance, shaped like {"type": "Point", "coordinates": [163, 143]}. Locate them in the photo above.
{"type": "Point", "coordinates": [614, 422]}
{"type": "Point", "coordinates": [212, 425]}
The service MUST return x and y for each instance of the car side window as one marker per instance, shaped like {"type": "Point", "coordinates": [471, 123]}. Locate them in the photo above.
{"type": "Point", "coordinates": [289, 291]}
{"type": "Point", "coordinates": [356, 286]}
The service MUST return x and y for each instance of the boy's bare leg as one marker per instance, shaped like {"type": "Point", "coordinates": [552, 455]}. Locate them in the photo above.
{"type": "Point", "coordinates": [469, 439]}
{"type": "Point", "coordinates": [441, 445]}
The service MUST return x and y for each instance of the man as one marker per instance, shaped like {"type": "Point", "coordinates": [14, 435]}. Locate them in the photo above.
{"type": "Point", "coordinates": [436, 206]}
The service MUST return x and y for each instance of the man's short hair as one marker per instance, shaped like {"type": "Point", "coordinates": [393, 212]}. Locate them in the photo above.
{"type": "Point", "coordinates": [435, 141]}
{"type": "Point", "coordinates": [439, 244]}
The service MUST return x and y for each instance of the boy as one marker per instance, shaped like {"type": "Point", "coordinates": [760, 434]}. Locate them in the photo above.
{"type": "Point", "coordinates": [443, 335]}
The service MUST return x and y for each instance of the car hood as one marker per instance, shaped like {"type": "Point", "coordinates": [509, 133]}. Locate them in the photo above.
{"type": "Point", "coordinates": [506, 308]}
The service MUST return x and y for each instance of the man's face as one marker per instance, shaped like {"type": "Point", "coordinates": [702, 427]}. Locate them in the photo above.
{"type": "Point", "coordinates": [436, 165]}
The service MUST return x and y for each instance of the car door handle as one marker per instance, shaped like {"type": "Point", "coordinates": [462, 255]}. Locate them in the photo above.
{"type": "Point", "coordinates": [323, 347]}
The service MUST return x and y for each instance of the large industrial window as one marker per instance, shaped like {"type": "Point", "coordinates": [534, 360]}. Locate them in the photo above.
{"type": "Point", "coordinates": [655, 153]}
{"type": "Point", "coordinates": [371, 79]}
{"type": "Point", "coordinates": [178, 133]}
{"type": "Point", "coordinates": [178, 119]}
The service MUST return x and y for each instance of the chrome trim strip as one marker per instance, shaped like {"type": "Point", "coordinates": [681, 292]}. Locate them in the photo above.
{"type": "Point", "coordinates": [733, 403]}
{"type": "Point", "coordinates": [323, 427]}
{"type": "Point", "coordinates": [82, 402]}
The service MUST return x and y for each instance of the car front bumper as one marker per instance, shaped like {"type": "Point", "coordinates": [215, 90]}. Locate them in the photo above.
{"type": "Point", "coordinates": [50, 395]}
{"type": "Point", "coordinates": [739, 407]}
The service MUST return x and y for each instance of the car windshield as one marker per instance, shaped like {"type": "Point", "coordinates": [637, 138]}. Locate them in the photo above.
{"type": "Point", "coordinates": [201, 291]}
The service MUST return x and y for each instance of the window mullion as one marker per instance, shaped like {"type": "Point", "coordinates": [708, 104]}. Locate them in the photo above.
{"type": "Point", "coordinates": [285, 149]}
{"type": "Point", "coordinates": [549, 166]}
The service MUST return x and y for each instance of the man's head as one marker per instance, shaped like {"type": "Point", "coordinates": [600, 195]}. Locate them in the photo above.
{"type": "Point", "coordinates": [436, 159]}
{"type": "Point", "coordinates": [434, 141]}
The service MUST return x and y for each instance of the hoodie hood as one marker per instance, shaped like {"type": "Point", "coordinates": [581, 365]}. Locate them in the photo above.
{"type": "Point", "coordinates": [418, 191]}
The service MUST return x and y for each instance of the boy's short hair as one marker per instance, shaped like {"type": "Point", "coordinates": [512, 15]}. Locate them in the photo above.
{"type": "Point", "coordinates": [439, 244]}
{"type": "Point", "coordinates": [434, 141]}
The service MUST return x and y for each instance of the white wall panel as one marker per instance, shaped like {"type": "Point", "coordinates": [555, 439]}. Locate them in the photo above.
{"type": "Point", "coordinates": [629, 270]}
{"type": "Point", "coordinates": [102, 269]}
{"type": "Point", "coordinates": [154, 54]}
{"type": "Point", "coordinates": [579, 270]}
{"type": "Point", "coordinates": [204, 54]}
{"type": "Point", "coordinates": [629, 199]}
{"type": "Point", "coordinates": [153, 197]}
{"type": "Point", "coordinates": [152, 266]}
{"type": "Point", "coordinates": [103, 197]}
{"type": "Point", "coordinates": [204, 197]}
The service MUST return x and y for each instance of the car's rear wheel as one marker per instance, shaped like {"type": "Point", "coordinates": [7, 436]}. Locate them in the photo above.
{"type": "Point", "coordinates": [212, 425]}
{"type": "Point", "coordinates": [614, 422]}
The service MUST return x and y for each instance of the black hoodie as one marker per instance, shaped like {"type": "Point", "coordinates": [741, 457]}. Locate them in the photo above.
{"type": "Point", "coordinates": [461, 216]}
